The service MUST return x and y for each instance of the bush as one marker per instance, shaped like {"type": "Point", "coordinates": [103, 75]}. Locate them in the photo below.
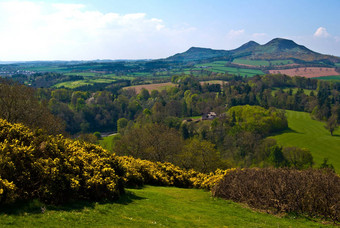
{"type": "Point", "coordinates": [54, 169]}
{"type": "Point", "coordinates": [139, 172]}
{"type": "Point", "coordinates": [311, 192]}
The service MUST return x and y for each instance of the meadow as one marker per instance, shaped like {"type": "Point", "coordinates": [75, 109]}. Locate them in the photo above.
{"type": "Point", "coordinates": [219, 67]}
{"type": "Point", "coordinates": [75, 84]}
{"type": "Point", "coordinates": [294, 90]}
{"type": "Point", "coordinates": [149, 206]}
{"type": "Point", "coordinates": [330, 78]}
{"type": "Point", "coordinates": [307, 133]}
{"type": "Point", "coordinates": [265, 63]}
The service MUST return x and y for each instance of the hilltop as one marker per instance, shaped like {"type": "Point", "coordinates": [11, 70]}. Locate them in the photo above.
{"type": "Point", "coordinates": [275, 49]}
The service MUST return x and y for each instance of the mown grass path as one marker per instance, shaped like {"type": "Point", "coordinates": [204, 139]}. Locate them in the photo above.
{"type": "Point", "coordinates": [311, 134]}
{"type": "Point", "coordinates": [152, 207]}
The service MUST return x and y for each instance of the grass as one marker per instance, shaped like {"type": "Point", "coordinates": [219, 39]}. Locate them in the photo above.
{"type": "Point", "coordinates": [107, 142]}
{"type": "Point", "coordinates": [85, 74]}
{"type": "Point", "coordinates": [219, 67]}
{"type": "Point", "coordinates": [262, 62]}
{"type": "Point", "coordinates": [335, 77]}
{"type": "Point", "coordinates": [151, 206]}
{"type": "Point", "coordinates": [75, 84]}
{"type": "Point", "coordinates": [311, 134]}
{"type": "Point", "coordinates": [306, 91]}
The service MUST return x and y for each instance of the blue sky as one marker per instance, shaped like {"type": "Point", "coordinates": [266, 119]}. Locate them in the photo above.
{"type": "Point", "coordinates": [144, 29]}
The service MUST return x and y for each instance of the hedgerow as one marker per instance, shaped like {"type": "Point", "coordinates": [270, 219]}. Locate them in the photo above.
{"type": "Point", "coordinates": [309, 192]}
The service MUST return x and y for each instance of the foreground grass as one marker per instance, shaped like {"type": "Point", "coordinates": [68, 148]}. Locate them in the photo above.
{"type": "Point", "coordinates": [151, 206]}
{"type": "Point", "coordinates": [311, 134]}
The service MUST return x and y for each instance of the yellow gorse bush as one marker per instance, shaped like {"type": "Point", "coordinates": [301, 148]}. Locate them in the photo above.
{"type": "Point", "coordinates": [139, 172]}
{"type": "Point", "coordinates": [54, 169]}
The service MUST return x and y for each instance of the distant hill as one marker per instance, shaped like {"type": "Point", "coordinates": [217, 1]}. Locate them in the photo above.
{"type": "Point", "coordinates": [275, 49]}
{"type": "Point", "coordinates": [197, 53]}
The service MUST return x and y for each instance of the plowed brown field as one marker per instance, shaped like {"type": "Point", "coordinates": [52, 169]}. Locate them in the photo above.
{"type": "Point", "coordinates": [308, 72]}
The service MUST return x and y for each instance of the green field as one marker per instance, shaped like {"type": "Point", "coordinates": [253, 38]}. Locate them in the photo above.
{"type": "Point", "coordinates": [84, 74]}
{"type": "Point", "coordinates": [306, 91]}
{"type": "Point", "coordinates": [311, 134]}
{"type": "Point", "coordinates": [219, 67]}
{"type": "Point", "coordinates": [331, 78]}
{"type": "Point", "coordinates": [107, 142]}
{"type": "Point", "coordinates": [48, 69]}
{"type": "Point", "coordinates": [75, 84]}
{"type": "Point", "coordinates": [262, 62]}
{"type": "Point", "coordinates": [147, 207]}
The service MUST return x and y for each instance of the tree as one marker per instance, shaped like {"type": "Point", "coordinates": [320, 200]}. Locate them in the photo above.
{"type": "Point", "coordinates": [121, 124]}
{"type": "Point", "coordinates": [18, 104]}
{"type": "Point", "coordinates": [298, 158]}
{"type": "Point", "coordinates": [332, 124]}
{"type": "Point", "coordinates": [154, 142]}
{"type": "Point", "coordinates": [200, 155]}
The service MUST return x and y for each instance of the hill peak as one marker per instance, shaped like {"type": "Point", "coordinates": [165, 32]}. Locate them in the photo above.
{"type": "Point", "coordinates": [195, 49]}
{"type": "Point", "coordinates": [281, 43]}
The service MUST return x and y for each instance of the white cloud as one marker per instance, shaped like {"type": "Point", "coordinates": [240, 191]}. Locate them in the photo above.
{"type": "Point", "coordinates": [41, 31]}
{"type": "Point", "coordinates": [321, 32]}
{"type": "Point", "coordinates": [235, 33]}
{"type": "Point", "coordinates": [259, 35]}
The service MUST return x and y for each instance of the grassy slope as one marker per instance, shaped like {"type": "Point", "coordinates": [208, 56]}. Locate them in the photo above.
{"type": "Point", "coordinates": [154, 206]}
{"type": "Point", "coordinates": [107, 142]}
{"type": "Point", "coordinates": [307, 133]}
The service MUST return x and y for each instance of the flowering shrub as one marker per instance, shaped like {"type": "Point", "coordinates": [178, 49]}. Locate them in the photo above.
{"type": "Point", "coordinates": [139, 172]}
{"type": "Point", "coordinates": [54, 169]}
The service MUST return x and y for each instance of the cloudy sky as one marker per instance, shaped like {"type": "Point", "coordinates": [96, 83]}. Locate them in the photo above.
{"type": "Point", "coordinates": [146, 29]}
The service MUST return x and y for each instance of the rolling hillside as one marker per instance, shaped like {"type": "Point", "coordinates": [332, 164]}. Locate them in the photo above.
{"type": "Point", "coordinates": [275, 49]}
{"type": "Point", "coordinates": [311, 134]}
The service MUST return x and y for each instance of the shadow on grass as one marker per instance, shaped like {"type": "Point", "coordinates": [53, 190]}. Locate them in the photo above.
{"type": "Point", "coordinates": [288, 130]}
{"type": "Point", "coordinates": [37, 207]}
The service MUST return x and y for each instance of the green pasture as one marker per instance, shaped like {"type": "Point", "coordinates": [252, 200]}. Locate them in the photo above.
{"type": "Point", "coordinates": [237, 71]}
{"type": "Point", "coordinates": [75, 84]}
{"type": "Point", "coordinates": [330, 78]}
{"type": "Point", "coordinates": [262, 62]}
{"type": "Point", "coordinates": [219, 67]}
{"type": "Point", "coordinates": [294, 90]}
{"type": "Point", "coordinates": [84, 74]}
{"type": "Point", "coordinates": [149, 207]}
{"type": "Point", "coordinates": [107, 142]}
{"type": "Point", "coordinates": [307, 133]}
{"type": "Point", "coordinates": [48, 69]}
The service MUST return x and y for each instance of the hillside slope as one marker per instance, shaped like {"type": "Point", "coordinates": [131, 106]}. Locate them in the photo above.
{"type": "Point", "coordinates": [152, 206]}
{"type": "Point", "coordinates": [311, 134]}
{"type": "Point", "coordinates": [275, 49]}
